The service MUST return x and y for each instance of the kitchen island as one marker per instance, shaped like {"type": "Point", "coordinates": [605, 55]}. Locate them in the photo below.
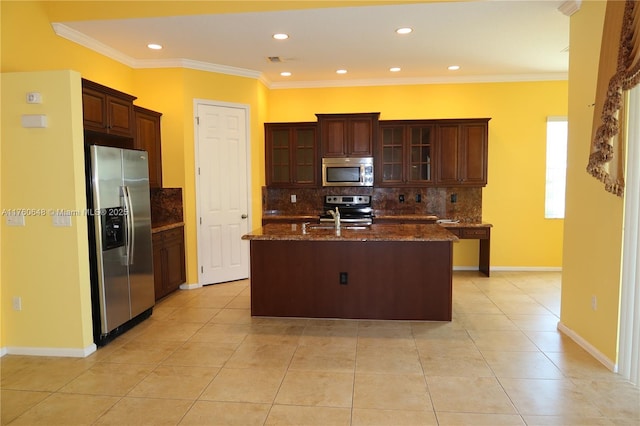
{"type": "Point", "coordinates": [381, 271]}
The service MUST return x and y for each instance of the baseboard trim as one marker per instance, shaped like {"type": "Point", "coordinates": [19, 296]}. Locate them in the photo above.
{"type": "Point", "coordinates": [513, 268]}
{"type": "Point", "coordinates": [61, 352]}
{"type": "Point", "coordinates": [588, 347]}
{"type": "Point", "coordinates": [186, 286]}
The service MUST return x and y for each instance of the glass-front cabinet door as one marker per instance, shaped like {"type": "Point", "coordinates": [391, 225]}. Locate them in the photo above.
{"type": "Point", "coordinates": [280, 169]}
{"type": "Point", "coordinates": [392, 138]}
{"type": "Point", "coordinates": [291, 154]}
{"type": "Point", "coordinates": [406, 149]}
{"type": "Point", "coordinates": [305, 155]}
{"type": "Point", "coordinates": [420, 153]}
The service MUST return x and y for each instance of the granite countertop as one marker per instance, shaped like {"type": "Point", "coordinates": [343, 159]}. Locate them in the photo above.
{"type": "Point", "coordinates": [406, 217]}
{"type": "Point", "coordinates": [466, 225]}
{"type": "Point", "coordinates": [165, 227]}
{"type": "Point", "coordinates": [278, 216]}
{"type": "Point", "coordinates": [375, 232]}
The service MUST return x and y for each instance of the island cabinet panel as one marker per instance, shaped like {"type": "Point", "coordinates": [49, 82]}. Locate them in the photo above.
{"type": "Point", "coordinates": [106, 110]}
{"type": "Point", "coordinates": [291, 154]}
{"type": "Point", "coordinates": [392, 280]}
{"type": "Point", "coordinates": [348, 135]}
{"type": "Point", "coordinates": [148, 139]}
{"type": "Point", "coordinates": [462, 154]}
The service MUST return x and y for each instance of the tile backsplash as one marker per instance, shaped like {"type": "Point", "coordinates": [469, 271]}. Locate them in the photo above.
{"type": "Point", "coordinates": [462, 203]}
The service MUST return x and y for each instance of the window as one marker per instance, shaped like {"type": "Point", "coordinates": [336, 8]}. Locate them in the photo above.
{"type": "Point", "coordinates": [556, 167]}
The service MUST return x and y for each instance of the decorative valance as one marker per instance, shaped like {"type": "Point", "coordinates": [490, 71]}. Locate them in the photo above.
{"type": "Point", "coordinates": [619, 71]}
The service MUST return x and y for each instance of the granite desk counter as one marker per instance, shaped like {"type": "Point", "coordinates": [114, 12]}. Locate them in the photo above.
{"type": "Point", "coordinates": [381, 271]}
{"type": "Point", "coordinates": [475, 231]}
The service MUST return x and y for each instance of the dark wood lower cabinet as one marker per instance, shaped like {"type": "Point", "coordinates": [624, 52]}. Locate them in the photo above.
{"type": "Point", "coordinates": [168, 261]}
{"type": "Point", "coordinates": [352, 279]}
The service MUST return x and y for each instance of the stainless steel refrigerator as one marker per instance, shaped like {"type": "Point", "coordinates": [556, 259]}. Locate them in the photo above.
{"type": "Point", "coordinates": [120, 232]}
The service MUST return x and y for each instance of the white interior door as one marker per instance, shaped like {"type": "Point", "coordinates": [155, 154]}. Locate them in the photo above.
{"type": "Point", "coordinates": [222, 191]}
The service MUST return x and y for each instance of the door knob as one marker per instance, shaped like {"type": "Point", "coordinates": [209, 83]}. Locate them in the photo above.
{"type": "Point", "coordinates": [244, 216]}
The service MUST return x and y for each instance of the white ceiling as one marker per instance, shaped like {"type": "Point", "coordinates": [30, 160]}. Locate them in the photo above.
{"type": "Point", "coordinates": [490, 40]}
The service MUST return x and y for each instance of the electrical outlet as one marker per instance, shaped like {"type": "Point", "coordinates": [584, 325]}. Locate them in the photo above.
{"type": "Point", "coordinates": [17, 303]}
{"type": "Point", "coordinates": [418, 198]}
{"type": "Point", "coordinates": [454, 198]}
{"type": "Point", "coordinates": [294, 198]}
{"type": "Point", "coordinates": [594, 303]}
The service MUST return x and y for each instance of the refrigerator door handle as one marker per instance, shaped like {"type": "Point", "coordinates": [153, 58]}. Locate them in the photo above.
{"type": "Point", "coordinates": [131, 239]}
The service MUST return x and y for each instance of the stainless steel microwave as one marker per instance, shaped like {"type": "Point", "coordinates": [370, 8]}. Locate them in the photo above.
{"type": "Point", "coordinates": [347, 171]}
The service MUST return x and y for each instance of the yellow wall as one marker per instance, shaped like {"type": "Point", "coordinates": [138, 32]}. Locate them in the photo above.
{"type": "Point", "coordinates": [593, 225]}
{"type": "Point", "coordinates": [176, 101]}
{"type": "Point", "coordinates": [513, 200]}
{"type": "Point", "coordinates": [28, 43]}
{"type": "Point", "coordinates": [43, 169]}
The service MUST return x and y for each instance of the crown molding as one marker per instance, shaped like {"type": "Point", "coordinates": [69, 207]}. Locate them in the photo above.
{"type": "Point", "coordinates": [196, 65]}
{"type": "Point", "coordinates": [101, 48]}
{"type": "Point", "coordinates": [91, 43]}
{"type": "Point", "coordinates": [418, 81]}
{"type": "Point", "coordinates": [570, 7]}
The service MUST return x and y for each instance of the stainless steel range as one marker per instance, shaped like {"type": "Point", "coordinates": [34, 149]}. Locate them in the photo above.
{"type": "Point", "coordinates": [354, 209]}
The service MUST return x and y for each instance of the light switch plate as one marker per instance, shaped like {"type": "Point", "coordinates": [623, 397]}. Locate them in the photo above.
{"type": "Point", "coordinates": [17, 303]}
{"type": "Point", "coordinates": [15, 220]}
{"type": "Point", "coordinates": [61, 220]}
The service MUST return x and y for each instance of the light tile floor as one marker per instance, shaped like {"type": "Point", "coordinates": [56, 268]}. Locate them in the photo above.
{"type": "Point", "coordinates": [201, 359]}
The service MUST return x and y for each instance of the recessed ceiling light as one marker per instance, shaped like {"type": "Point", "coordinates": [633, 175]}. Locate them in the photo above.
{"type": "Point", "coordinates": [285, 73]}
{"type": "Point", "coordinates": [453, 67]}
{"type": "Point", "coordinates": [281, 36]}
{"type": "Point", "coordinates": [341, 71]}
{"type": "Point", "coordinates": [154, 46]}
{"type": "Point", "coordinates": [405, 30]}
{"type": "Point", "coordinates": [394, 69]}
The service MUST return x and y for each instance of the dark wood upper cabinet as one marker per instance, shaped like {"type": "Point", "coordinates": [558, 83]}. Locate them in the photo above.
{"type": "Point", "coordinates": [147, 137]}
{"type": "Point", "coordinates": [110, 118]}
{"type": "Point", "coordinates": [462, 153]}
{"type": "Point", "coordinates": [291, 154]}
{"type": "Point", "coordinates": [348, 135]}
{"type": "Point", "coordinates": [106, 110]}
{"type": "Point", "coordinates": [405, 154]}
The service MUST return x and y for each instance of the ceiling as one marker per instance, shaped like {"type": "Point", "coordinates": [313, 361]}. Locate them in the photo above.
{"type": "Point", "coordinates": [489, 40]}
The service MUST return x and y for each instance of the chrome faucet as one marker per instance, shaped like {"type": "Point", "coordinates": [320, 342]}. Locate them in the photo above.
{"type": "Point", "coordinates": [336, 217]}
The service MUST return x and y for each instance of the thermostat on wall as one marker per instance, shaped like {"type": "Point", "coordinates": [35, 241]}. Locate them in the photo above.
{"type": "Point", "coordinates": [34, 120]}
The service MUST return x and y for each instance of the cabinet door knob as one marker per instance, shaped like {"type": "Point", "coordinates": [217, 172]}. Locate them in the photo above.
{"type": "Point", "coordinates": [244, 216]}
